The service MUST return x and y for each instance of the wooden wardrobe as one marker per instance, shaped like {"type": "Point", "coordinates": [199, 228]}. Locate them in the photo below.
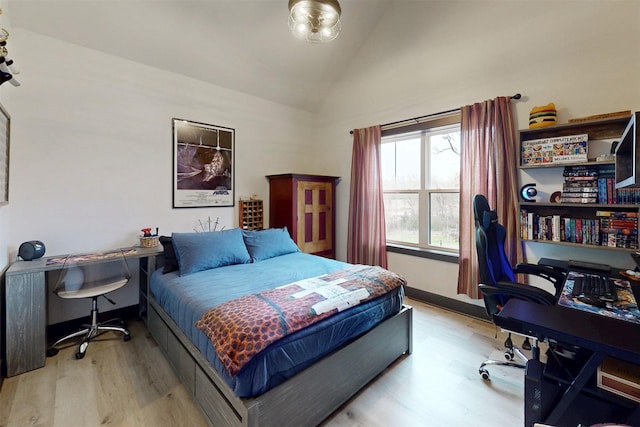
{"type": "Point", "coordinates": [305, 205]}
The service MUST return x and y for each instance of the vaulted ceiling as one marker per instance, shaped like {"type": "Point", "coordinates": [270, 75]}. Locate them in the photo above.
{"type": "Point", "coordinates": [244, 45]}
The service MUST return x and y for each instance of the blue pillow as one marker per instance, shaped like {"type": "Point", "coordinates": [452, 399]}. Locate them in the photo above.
{"type": "Point", "coordinates": [269, 243]}
{"type": "Point", "coordinates": [203, 251]}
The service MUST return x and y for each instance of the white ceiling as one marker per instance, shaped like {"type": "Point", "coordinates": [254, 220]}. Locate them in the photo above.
{"type": "Point", "coordinates": [244, 45]}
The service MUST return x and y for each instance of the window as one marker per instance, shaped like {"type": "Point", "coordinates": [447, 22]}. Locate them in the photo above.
{"type": "Point", "coordinates": [421, 181]}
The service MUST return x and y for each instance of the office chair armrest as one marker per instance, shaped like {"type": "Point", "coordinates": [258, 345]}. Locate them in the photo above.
{"type": "Point", "coordinates": [520, 291]}
{"type": "Point", "coordinates": [554, 275]}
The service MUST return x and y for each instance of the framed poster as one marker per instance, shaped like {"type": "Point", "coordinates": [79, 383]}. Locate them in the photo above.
{"type": "Point", "coordinates": [202, 165]}
{"type": "Point", "coordinates": [4, 155]}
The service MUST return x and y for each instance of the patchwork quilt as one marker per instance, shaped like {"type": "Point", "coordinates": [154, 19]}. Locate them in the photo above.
{"type": "Point", "coordinates": [241, 328]}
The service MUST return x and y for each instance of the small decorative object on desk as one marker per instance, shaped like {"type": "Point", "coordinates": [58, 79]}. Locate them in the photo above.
{"type": "Point", "coordinates": [148, 240]}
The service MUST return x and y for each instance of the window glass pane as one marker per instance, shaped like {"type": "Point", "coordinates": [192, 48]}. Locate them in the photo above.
{"type": "Point", "coordinates": [443, 217]}
{"type": "Point", "coordinates": [401, 164]}
{"type": "Point", "coordinates": [401, 217]}
{"type": "Point", "coordinates": [444, 160]}
{"type": "Point", "coordinates": [421, 178]}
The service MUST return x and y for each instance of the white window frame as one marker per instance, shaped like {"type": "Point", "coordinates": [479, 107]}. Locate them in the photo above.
{"type": "Point", "coordinates": [425, 191]}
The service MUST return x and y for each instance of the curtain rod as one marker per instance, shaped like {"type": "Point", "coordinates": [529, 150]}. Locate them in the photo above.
{"type": "Point", "coordinates": [516, 97]}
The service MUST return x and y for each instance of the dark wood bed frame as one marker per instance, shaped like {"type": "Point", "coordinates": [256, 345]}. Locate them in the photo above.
{"type": "Point", "coordinates": [305, 399]}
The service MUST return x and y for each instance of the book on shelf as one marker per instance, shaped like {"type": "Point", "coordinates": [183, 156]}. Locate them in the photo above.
{"type": "Point", "coordinates": [587, 192]}
{"type": "Point", "coordinates": [593, 171]}
{"type": "Point", "coordinates": [617, 240]}
{"type": "Point", "coordinates": [568, 188]}
{"type": "Point", "coordinates": [624, 224]}
{"type": "Point", "coordinates": [616, 214]}
{"type": "Point", "coordinates": [607, 193]}
{"type": "Point", "coordinates": [583, 183]}
{"type": "Point", "coordinates": [562, 149]}
{"type": "Point", "coordinates": [609, 228]}
{"type": "Point", "coordinates": [581, 230]}
{"type": "Point", "coordinates": [629, 196]}
{"type": "Point", "coordinates": [557, 228]}
{"type": "Point", "coordinates": [580, 198]}
{"type": "Point", "coordinates": [619, 229]}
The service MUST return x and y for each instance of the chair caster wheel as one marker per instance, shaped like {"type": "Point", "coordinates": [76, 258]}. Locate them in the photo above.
{"type": "Point", "coordinates": [127, 337]}
{"type": "Point", "coordinates": [52, 352]}
{"type": "Point", "coordinates": [508, 355]}
{"type": "Point", "coordinates": [484, 374]}
{"type": "Point", "coordinates": [82, 349]}
{"type": "Point", "coordinates": [508, 343]}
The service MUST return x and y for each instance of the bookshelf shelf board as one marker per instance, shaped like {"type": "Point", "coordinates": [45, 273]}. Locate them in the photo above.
{"type": "Point", "coordinates": [583, 205]}
{"type": "Point", "coordinates": [562, 165]}
{"type": "Point", "coordinates": [579, 245]}
{"type": "Point", "coordinates": [597, 129]}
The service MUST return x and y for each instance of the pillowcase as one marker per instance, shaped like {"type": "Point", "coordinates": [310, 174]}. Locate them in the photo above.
{"type": "Point", "coordinates": [203, 251]}
{"type": "Point", "coordinates": [269, 243]}
{"type": "Point", "coordinates": [170, 261]}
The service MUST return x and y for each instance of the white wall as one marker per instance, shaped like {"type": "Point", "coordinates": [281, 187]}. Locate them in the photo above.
{"type": "Point", "coordinates": [584, 56]}
{"type": "Point", "coordinates": [91, 133]}
{"type": "Point", "coordinates": [5, 22]}
{"type": "Point", "coordinates": [91, 149]}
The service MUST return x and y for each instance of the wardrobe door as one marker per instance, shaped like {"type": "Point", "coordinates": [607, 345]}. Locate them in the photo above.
{"type": "Point", "coordinates": [305, 205]}
{"type": "Point", "coordinates": [315, 217]}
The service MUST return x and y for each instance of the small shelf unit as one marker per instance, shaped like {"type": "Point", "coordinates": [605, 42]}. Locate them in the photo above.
{"type": "Point", "coordinates": [251, 214]}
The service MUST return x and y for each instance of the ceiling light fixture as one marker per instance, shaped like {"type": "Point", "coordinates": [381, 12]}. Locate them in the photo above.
{"type": "Point", "coordinates": [315, 21]}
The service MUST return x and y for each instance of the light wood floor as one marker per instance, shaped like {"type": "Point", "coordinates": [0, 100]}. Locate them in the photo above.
{"type": "Point", "coordinates": [131, 384]}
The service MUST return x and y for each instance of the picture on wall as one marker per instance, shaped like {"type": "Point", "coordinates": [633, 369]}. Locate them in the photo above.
{"type": "Point", "coordinates": [202, 165]}
{"type": "Point", "coordinates": [4, 156]}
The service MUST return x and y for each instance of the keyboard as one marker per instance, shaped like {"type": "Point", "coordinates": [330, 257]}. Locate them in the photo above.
{"type": "Point", "coordinates": [594, 286]}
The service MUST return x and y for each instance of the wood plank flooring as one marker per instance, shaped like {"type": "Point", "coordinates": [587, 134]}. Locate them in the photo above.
{"type": "Point", "coordinates": [131, 384]}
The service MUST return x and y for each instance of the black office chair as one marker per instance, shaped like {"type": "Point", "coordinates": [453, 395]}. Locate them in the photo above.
{"type": "Point", "coordinates": [498, 280]}
{"type": "Point", "coordinates": [92, 281]}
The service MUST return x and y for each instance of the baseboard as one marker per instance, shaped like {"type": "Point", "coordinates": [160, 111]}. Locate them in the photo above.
{"type": "Point", "coordinates": [61, 329]}
{"type": "Point", "coordinates": [448, 303]}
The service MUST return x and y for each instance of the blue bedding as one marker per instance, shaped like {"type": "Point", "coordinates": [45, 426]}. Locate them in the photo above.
{"type": "Point", "coordinates": [186, 298]}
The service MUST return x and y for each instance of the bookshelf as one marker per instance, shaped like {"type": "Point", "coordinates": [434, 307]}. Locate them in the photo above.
{"type": "Point", "coordinates": [251, 214]}
{"type": "Point", "coordinates": [591, 212]}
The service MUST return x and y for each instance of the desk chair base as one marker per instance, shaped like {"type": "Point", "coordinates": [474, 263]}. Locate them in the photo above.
{"type": "Point", "coordinates": [509, 354]}
{"type": "Point", "coordinates": [90, 331]}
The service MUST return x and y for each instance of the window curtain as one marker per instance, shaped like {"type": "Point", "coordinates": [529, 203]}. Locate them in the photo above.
{"type": "Point", "coordinates": [488, 166]}
{"type": "Point", "coordinates": [366, 238]}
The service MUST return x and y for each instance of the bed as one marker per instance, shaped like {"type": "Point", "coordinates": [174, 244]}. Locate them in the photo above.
{"type": "Point", "coordinates": [298, 379]}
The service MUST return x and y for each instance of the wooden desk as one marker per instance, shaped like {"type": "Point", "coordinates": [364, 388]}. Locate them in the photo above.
{"type": "Point", "coordinates": [26, 306]}
{"type": "Point", "coordinates": [600, 335]}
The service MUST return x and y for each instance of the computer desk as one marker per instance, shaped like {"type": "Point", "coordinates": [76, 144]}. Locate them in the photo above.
{"type": "Point", "coordinates": [26, 306]}
{"type": "Point", "coordinates": [601, 335]}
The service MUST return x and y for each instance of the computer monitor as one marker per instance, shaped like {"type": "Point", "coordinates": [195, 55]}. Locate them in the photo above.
{"type": "Point", "coordinates": [628, 155]}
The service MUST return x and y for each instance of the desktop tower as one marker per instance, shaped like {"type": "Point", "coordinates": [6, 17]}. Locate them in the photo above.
{"type": "Point", "coordinates": [539, 394]}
